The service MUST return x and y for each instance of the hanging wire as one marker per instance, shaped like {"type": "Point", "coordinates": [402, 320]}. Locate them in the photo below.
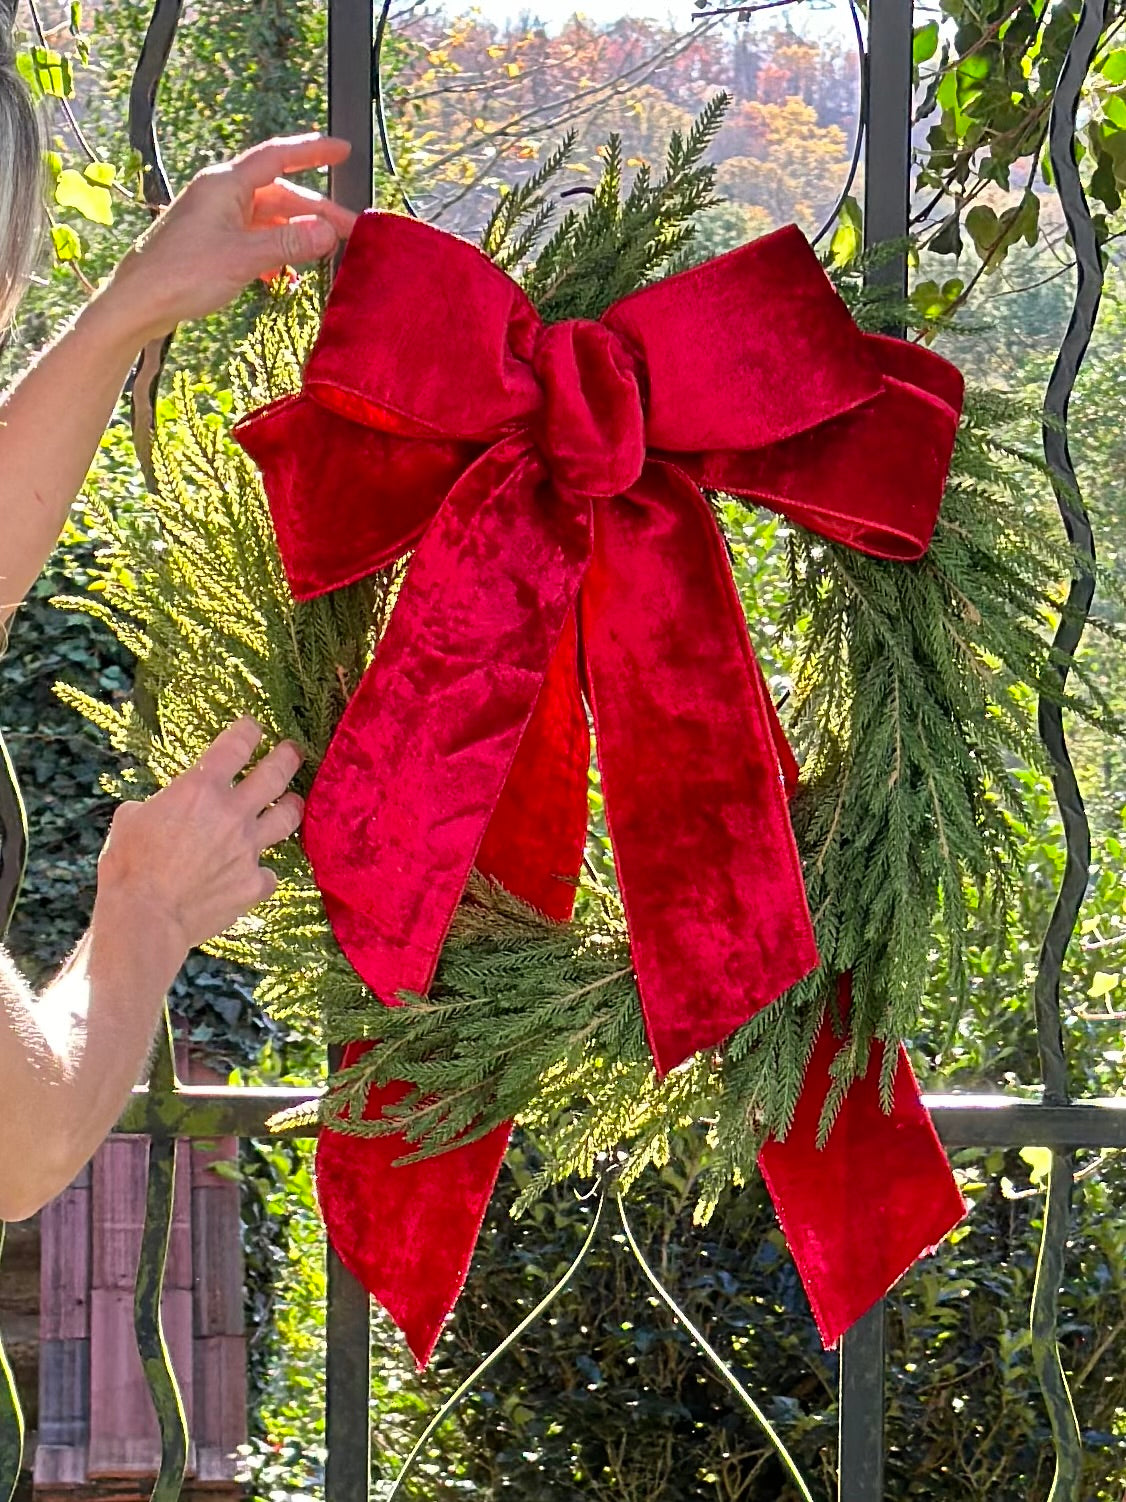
{"type": "Point", "coordinates": [861, 125]}
{"type": "Point", "coordinates": [714, 1357]}
{"type": "Point", "coordinates": [454, 1401]}
{"type": "Point", "coordinates": [381, 108]}
{"type": "Point", "coordinates": [744, 12]}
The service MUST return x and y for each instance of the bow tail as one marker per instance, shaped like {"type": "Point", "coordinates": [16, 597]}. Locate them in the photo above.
{"type": "Point", "coordinates": [695, 803]}
{"type": "Point", "coordinates": [860, 1211]}
{"type": "Point", "coordinates": [407, 1230]}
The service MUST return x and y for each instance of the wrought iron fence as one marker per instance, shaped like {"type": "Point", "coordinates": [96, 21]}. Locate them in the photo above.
{"type": "Point", "coordinates": [166, 1111]}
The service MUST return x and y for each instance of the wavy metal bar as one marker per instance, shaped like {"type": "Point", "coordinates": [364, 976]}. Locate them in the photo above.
{"type": "Point", "coordinates": [13, 862]}
{"type": "Point", "coordinates": [11, 1422]}
{"type": "Point", "coordinates": [715, 1358]}
{"type": "Point", "coordinates": [861, 126]}
{"type": "Point", "coordinates": [380, 107]}
{"type": "Point", "coordinates": [452, 1402]}
{"type": "Point", "coordinates": [147, 1319]}
{"type": "Point", "coordinates": [13, 840]}
{"type": "Point", "coordinates": [155, 51]}
{"type": "Point", "coordinates": [1067, 1479]}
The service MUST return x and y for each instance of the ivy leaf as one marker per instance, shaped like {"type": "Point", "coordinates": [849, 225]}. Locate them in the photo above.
{"type": "Point", "coordinates": [927, 298]}
{"type": "Point", "coordinates": [924, 43]}
{"type": "Point", "coordinates": [848, 236]}
{"type": "Point", "coordinates": [1113, 66]}
{"type": "Point", "coordinates": [1102, 984]}
{"type": "Point", "coordinates": [91, 200]}
{"type": "Point", "coordinates": [68, 247]}
{"type": "Point", "coordinates": [994, 235]}
{"type": "Point", "coordinates": [983, 228]}
{"type": "Point", "coordinates": [948, 240]}
{"type": "Point", "coordinates": [1039, 1160]}
{"type": "Point", "coordinates": [1103, 184]}
{"type": "Point", "coordinates": [102, 173]}
{"type": "Point", "coordinates": [46, 73]}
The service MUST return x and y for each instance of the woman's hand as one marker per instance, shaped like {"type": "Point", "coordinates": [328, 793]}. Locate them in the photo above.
{"type": "Point", "coordinates": [231, 224]}
{"type": "Point", "coordinates": [187, 861]}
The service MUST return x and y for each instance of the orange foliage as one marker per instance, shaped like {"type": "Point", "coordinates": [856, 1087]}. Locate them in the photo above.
{"type": "Point", "coordinates": [474, 106]}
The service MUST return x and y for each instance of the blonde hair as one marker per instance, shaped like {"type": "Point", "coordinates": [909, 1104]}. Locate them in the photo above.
{"type": "Point", "coordinates": [21, 173]}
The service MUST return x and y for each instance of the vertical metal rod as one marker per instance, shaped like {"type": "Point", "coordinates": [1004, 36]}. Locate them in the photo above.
{"type": "Point", "coordinates": [887, 152]}
{"type": "Point", "coordinates": [351, 39]}
{"type": "Point", "coordinates": [887, 194]}
{"type": "Point", "coordinates": [347, 1376]}
{"type": "Point", "coordinates": [861, 1434]}
{"type": "Point", "coordinates": [347, 1386]}
{"type": "Point", "coordinates": [347, 1315]}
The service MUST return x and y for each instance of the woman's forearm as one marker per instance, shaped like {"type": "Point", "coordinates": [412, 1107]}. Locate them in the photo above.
{"type": "Point", "coordinates": [51, 422]}
{"type": "Point", "coordinates": [72, 1055]}
{"type": "Point", "coordinates": [176, 869]}
{"type": "Point", "coordinates": [230, 225]}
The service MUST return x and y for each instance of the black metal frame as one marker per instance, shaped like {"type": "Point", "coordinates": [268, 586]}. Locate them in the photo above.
{"type": "Point", "coordinates": [166, 1111]}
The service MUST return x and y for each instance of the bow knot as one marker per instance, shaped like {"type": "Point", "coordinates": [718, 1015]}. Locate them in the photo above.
{"type": "Point", "coordinates": [591, 427]}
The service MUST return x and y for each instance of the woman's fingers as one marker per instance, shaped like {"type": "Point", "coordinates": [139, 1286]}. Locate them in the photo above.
{"type": "Point", "coordinates": [280, 820]}
{"type": "Point", "coordinates": [269, 779]}
{"type": "Point", "coordinates": [260, 165]}
{"type": "Point", "coordinates": [279, 201]}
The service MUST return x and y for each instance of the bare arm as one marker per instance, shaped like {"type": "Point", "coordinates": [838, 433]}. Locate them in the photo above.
{"type": "Point", "coordinates": [230, 225]}
{"type": "Point", "coordinates": [175, 871]}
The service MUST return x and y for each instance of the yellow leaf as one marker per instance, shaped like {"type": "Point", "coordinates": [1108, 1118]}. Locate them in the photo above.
{"type": "Point", "coordinates": [1039, 1160]}
{"type": "Point", "coordinates": [73, 191]}
{"type": "Point", "coordinates": [512, 69]}
{"type": "Point", "coordinates": [1102, 984]}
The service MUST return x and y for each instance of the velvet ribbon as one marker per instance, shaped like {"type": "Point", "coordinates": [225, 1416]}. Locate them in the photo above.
{"type": "Point", "coordinates": [548, 479]}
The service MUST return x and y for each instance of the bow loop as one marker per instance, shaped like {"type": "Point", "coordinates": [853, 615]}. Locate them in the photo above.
{"type": "Point", "coordinates": [409, 305]}
{"type": "Point", "coordinates": [591, 429]}
{"type": "Point", "coordinates": [746, 350]}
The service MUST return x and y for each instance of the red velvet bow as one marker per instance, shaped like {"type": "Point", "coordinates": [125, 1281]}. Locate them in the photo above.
{"type": "Point", "coordinates": [548, 477]}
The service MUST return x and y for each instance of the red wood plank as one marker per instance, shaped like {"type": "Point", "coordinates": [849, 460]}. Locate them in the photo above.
{"type": "Point", "coordinates": [64, 1265]}
{"type": "Point", "coordinates": [118, 1211]}
{"type": "Point", "coordinates": [220, 1405]}
{"type": "Point", "coordinates": [124, 1439]}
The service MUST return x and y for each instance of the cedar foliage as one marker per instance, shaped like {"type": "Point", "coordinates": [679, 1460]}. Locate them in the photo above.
{"type": "Point", "coordinates": [912, 710]}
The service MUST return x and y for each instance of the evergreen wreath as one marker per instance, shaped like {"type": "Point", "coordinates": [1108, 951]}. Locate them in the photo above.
{"type": "Point", "coordinates": [911, 710]}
